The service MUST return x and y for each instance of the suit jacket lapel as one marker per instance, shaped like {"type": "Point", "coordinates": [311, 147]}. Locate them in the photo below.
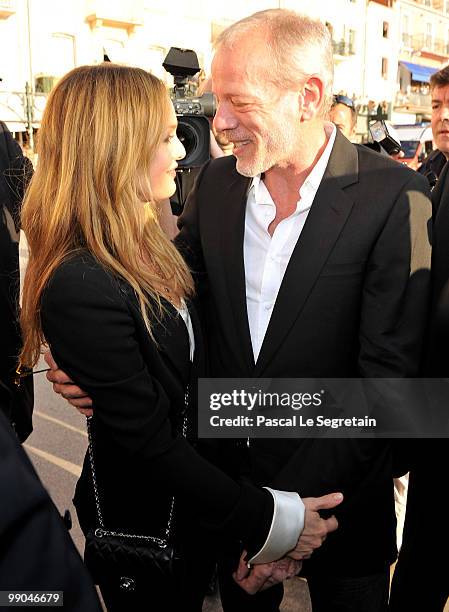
{"type": "Point", "coordinates": [232, 224]}
{"type": "Point", "coordinates": [331, 207]}
{"type": "Point", "coordinates": [441, 190]}
{"type": "Point", "coordinates": [440, 234]}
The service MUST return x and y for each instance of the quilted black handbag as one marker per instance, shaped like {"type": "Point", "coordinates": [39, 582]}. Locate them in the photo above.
{"type": "Point", "coordinates": [126, 559]}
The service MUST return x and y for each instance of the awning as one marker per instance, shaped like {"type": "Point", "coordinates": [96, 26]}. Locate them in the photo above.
{"type": "Point", "coordinates": [420, 73]}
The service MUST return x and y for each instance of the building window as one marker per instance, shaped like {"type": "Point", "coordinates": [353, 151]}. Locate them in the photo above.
{"type": "Point", "coordinates": [385, 28]}
{"type": "Point", "coordinates": [429, 36]}
{"type": "Point", "coordinates": [406, 23]}
{"type": "Point", "coordinates": [61, 53]}
{"type": "Point", "coordinates": [351, 41]}
{"type": "Point", "coordinates": [446, 6]}
{"type": "Point", "coordinates": [384, 68]}
{"type": "Point", "coordinates": [406, 37]}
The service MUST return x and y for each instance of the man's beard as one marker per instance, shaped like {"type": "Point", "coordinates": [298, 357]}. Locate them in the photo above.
{"type": "Point", "coordinates": [275, 152]}
{"type": "Point", "coordinates": [250, 168]}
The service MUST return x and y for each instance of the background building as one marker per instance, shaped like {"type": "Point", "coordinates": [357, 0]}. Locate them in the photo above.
{"type": "Point", "coordinates": [424, 49]}
{"type": "Point", "coordinates": [384, 50]}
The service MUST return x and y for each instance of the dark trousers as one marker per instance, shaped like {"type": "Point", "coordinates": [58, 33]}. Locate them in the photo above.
{"type": "Point", "coordinates": [421, 579]}
{"type": "Point", "coordinates": [361, 594]}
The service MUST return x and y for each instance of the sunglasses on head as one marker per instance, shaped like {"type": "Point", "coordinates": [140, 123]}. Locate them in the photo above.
{"type": "Point", "coordinates": [344, 100]}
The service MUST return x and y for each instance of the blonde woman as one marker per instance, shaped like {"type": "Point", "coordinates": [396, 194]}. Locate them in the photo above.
{"type": "Point", "coordinates": [111, 296]}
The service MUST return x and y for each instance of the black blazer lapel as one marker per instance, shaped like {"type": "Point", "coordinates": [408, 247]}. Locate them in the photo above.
{"type": "Point", "coordinates": [330, 210]}
{"type": "Point", "coordinates": [232, 224]}
{"type": "Point", "coordinates": [172, 340]}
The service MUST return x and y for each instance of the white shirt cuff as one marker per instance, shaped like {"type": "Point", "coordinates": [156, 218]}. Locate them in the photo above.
{"type": "Point", "coordinates": [286, 527]}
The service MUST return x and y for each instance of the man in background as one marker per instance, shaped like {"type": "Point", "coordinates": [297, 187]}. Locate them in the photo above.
{"type": "Point", "coordinates": [15, 171]}
{"type": "Point", "coordinates": [344, 115]}
{"type": "Point", "coordinates": [421, 579]}
{"type": "Point", "coordinates": [439, 91]}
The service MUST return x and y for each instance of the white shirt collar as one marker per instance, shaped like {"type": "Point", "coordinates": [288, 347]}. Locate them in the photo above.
{"type": "Point", "coordinates": [313, 179]}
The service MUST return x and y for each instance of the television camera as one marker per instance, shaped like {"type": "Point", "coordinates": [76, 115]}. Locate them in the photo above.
{"type": "Point", "coordinates": [192, 111]}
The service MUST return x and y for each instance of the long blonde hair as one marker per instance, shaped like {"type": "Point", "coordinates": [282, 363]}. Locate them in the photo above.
{"type": "Point", "coordinates": [100, 129]}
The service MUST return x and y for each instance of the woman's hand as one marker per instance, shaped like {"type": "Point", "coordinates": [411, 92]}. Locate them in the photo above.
{"type": "Point", "coordinates": [264, 575]}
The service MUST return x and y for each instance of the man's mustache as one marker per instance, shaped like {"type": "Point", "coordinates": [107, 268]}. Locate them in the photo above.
{"type": "Point", "coordinates": [231, 136]}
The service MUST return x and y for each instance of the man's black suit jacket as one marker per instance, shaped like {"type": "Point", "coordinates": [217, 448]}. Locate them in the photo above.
{"type": "Point", "coordinates": [96, 333]}
{"type": "Point", "coordinates": [352, 303]}
{"type": "Point", "coordinates": [436, 361]}
{"type": "Point", "coordinates": [428, 457]}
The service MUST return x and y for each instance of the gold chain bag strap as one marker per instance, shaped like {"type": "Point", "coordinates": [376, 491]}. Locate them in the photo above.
{"type": "Point", "coordinates": [127, 559]}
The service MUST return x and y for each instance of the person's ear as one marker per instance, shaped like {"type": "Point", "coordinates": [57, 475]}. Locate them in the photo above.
{"type": "Point", "coordinates": [312, 97]}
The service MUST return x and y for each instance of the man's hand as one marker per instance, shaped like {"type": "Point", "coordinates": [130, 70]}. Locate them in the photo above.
{"type": "Point", "coordinates": [264, 575]}
{"type": "Point", "coordinates": [315, 528]}
{"type": "Point", "coordinates": [63, 385]}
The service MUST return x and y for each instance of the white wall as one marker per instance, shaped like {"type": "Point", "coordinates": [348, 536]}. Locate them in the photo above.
{"type": "Point", "coordinates": [376, 87]}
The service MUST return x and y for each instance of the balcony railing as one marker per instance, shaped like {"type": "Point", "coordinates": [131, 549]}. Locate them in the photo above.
{"type": "Point", "coordinates": [406, 40]}
{"type": "Point", "coordinates": [343, 48]}
{"type": "Point", "coordinates": [423, 42]}
{"type": "Point", "coordinates": [429, 3]}
{"type": "Point", "coordinates": [413, 99]}
{"type": "Point", "coordinates": [7, 8]}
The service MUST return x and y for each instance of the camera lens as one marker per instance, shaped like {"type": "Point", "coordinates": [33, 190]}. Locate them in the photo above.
{"type": "Point", "coordinates": [193, 132]}
{"type": "Point", "coordinates": [189, 139]}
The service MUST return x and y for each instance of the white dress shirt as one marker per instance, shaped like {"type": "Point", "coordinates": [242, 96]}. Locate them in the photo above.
{"type": "Point", "coordinates": [287, 522]}
{"type": "Point", "coordinates": [266, 257]}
